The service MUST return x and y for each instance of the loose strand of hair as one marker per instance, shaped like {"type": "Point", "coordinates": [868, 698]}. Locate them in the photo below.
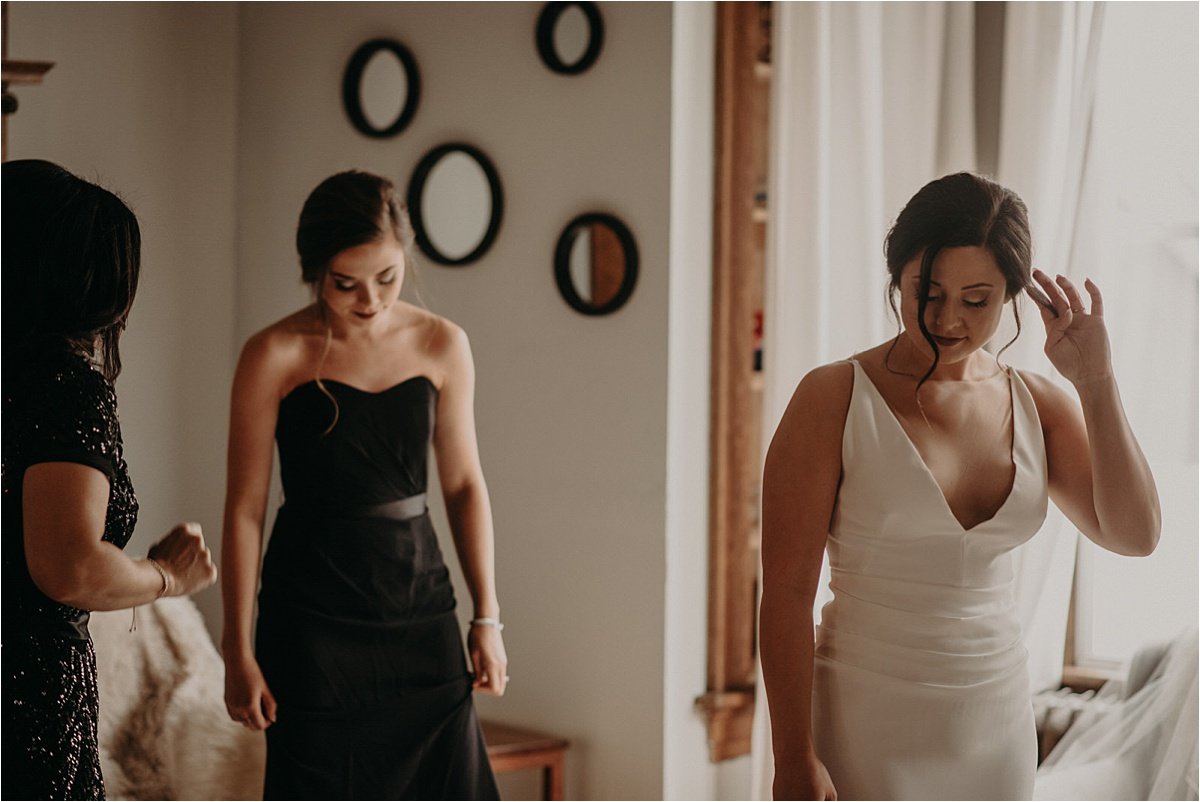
{"type": "Point", "coordinates": [887, 358]}
{"type": "Point", "coordinates": [922, 303]}
{"type": "Point", "coordinates": [321, 364]}
{"type": "Point", "coordinates": [1016, 319]}
{"type": "Point", "coordinates": [418, 287]}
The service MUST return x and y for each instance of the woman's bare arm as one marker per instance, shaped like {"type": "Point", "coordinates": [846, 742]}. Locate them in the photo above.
{"type": "Point", "coordinates": [467, 504]}
{"type": "Point", "coordinates": [1098, 475]}
{"type": "Point", "coordinates": [800, 484]}
{"type": "Point", "coordinates": [64, 505]}
{"type": "Point", "coordinates": [254, 409]}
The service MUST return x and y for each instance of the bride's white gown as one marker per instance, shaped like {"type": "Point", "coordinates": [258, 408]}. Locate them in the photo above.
{"type": "Point", "coordinates": [920, 688]}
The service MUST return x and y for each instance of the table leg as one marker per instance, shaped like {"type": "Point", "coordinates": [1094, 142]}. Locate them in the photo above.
{"type": "Point", "coordinates": [552, 779]}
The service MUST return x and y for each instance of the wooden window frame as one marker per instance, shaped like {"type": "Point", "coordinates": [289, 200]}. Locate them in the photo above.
{"type": "Point", "coordinates": [739, 247]}
{"type": "Point", "coordinates": [1076, 675]}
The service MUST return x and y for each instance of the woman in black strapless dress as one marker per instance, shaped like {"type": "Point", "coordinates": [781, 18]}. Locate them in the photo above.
{"type": "Point", "coordinates": [357, 670]}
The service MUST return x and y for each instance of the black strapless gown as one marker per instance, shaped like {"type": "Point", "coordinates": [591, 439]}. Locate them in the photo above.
{"type": "Point", "coordinates": [357, 635]}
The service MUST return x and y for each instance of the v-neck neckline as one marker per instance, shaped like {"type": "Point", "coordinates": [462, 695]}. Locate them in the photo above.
{"type": "Point", "coordinates": [941, 494]}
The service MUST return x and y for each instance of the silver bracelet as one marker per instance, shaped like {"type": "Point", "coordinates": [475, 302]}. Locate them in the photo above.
{"type": "Point", "coordinates": [487, 622]}
{"type": "Point", "coordinates": [161, 572]}
{"type": "Point", "coordinates": [161, 591]}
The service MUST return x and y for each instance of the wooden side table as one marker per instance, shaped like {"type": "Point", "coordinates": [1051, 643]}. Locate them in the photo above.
{"type": "Point", "coordinates": [513, 749]}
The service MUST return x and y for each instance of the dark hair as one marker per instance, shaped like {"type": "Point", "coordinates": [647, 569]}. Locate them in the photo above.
{"type": "Point", "coordinates": [344, 211]}
{"type": "Point", "coordinates": [72, 254]}
{"type": "Point", "coordinates": [954, 211]}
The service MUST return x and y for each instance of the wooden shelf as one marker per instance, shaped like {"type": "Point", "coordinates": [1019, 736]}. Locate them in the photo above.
{"type": "Point", "coordinates": [731, 722]}
{"type": "Point", "coordinates": [25, 73]}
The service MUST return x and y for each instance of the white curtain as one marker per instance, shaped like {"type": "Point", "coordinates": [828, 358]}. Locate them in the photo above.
{"type": "Point", "coordinates": [1048, 83]}
{"type": "Point", "coordinates": [869, 102]}
{"type": "Point", "coordinates": [1137, 738]}
{"type": "Point", "coordinates": [1140, 245]}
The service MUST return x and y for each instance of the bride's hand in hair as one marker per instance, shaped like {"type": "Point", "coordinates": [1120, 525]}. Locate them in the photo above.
{"type": "Point", "coordinates": [1076, 340]}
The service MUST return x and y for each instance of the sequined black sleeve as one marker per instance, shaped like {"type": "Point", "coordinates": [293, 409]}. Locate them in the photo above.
{"type": "Point", "coordinates": [57, 408]}
{"type": "Point", "coordinates": [65, 413]}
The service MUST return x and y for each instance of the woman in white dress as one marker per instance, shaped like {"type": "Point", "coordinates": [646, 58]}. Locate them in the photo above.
{"type": "Point", "coordinates": [920, 464]}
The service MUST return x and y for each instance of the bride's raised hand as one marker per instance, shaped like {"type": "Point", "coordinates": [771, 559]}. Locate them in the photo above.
{"type": "Point", "coordinates": [1076, 340]}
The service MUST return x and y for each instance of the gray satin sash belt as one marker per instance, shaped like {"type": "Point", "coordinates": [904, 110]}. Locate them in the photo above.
{"type": "Point", "coordinates": [401, 509]}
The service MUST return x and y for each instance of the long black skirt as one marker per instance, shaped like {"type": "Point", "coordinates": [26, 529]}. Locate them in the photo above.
{"type": "Point", "coordinates": [368, 707]}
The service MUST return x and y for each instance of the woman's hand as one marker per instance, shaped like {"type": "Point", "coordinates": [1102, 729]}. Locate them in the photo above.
{"type": "Point", "coordinates": [488, 658]}
{"type": "Point", "coordinates": [186, 560]}
{"type": "Point", "coordinates": [1076, 340]}
{"type": "Point", "coordinates": [247, 698]}
{"type": "Point", "coordinates": [806, 780]}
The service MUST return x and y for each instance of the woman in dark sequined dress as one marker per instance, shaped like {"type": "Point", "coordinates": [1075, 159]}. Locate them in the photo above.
{"type": "Point", "coordinates": [71, 256]}
{"type": "Point", "coordinates": [357, 670]}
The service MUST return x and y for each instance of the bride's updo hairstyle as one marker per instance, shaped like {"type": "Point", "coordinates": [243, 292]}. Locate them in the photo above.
{"type": "Point", "coordinates": [960, 210]}
{"type": "Point", "coordinates": [344, 211]}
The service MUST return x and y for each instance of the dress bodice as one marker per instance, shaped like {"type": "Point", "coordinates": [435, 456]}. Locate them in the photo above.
{"type": "Point", "coordinates": [376, 451]}
{"type": "Point", "coordinates": [915, 594]}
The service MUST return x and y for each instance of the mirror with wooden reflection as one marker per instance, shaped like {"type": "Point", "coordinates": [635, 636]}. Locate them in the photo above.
{"type": "Point", "coordinates": [456, 204]}
{"type": "Point", "coordinates": [381, 88]}
{"type": "Point", "coordinates": [596, 264]}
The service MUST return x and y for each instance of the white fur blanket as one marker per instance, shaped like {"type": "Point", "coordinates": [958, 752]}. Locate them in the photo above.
{"type": "Point", "coordinates": [164, 733]}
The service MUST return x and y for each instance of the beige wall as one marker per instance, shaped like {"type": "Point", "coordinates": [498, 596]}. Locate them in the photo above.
{"type": "Point", "coordinates": [215, 120]}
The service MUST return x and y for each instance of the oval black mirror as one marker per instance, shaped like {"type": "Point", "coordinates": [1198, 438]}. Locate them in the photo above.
{"type": "Point", "coordinates": [569, 36]}
{"type": "Point", "coordinates": [380, 88]}
{"type": "Point", "coordinates": [596, 264]}
{"type": "Point", "coordinates": [456, 203]}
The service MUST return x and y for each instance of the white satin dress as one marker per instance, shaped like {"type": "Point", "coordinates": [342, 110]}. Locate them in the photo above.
{"type": "Point", "coordinates": [920, 686]}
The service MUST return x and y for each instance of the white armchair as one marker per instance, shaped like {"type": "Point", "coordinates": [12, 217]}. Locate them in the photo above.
{"type": "Point", "coordinates": [164, 733]}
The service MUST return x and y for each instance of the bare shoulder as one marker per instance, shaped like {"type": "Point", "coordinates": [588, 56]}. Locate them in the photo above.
{"type": "Point", "coordinates": [820, 402]}
{"type": "Point", "coordinates": [442, 346]}
{"type": "Point", "coordinates": [1052, 401]}
{"type": "Point", "coordinates": [437, 337]}
{"type": "Point", "coordinates": [827, 388]}
{"type": "Point", "coordinates": [276, 352]}
{"type": "Point", "coordinates": [808, 440]}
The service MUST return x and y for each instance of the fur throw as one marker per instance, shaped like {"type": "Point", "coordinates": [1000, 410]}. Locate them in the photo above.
{"type": "Point", "coordinates": [164, 732]}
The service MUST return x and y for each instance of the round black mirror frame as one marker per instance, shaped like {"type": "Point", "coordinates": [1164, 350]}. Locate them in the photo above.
{"type": "Point", "coordinates": [416, 186]}
{"type": "Point", "coordinates": [562, 264]}
{"type": "Point", "coordinates": [545, 36]}
{"type": "Point", "coordinates": [353, 77]}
